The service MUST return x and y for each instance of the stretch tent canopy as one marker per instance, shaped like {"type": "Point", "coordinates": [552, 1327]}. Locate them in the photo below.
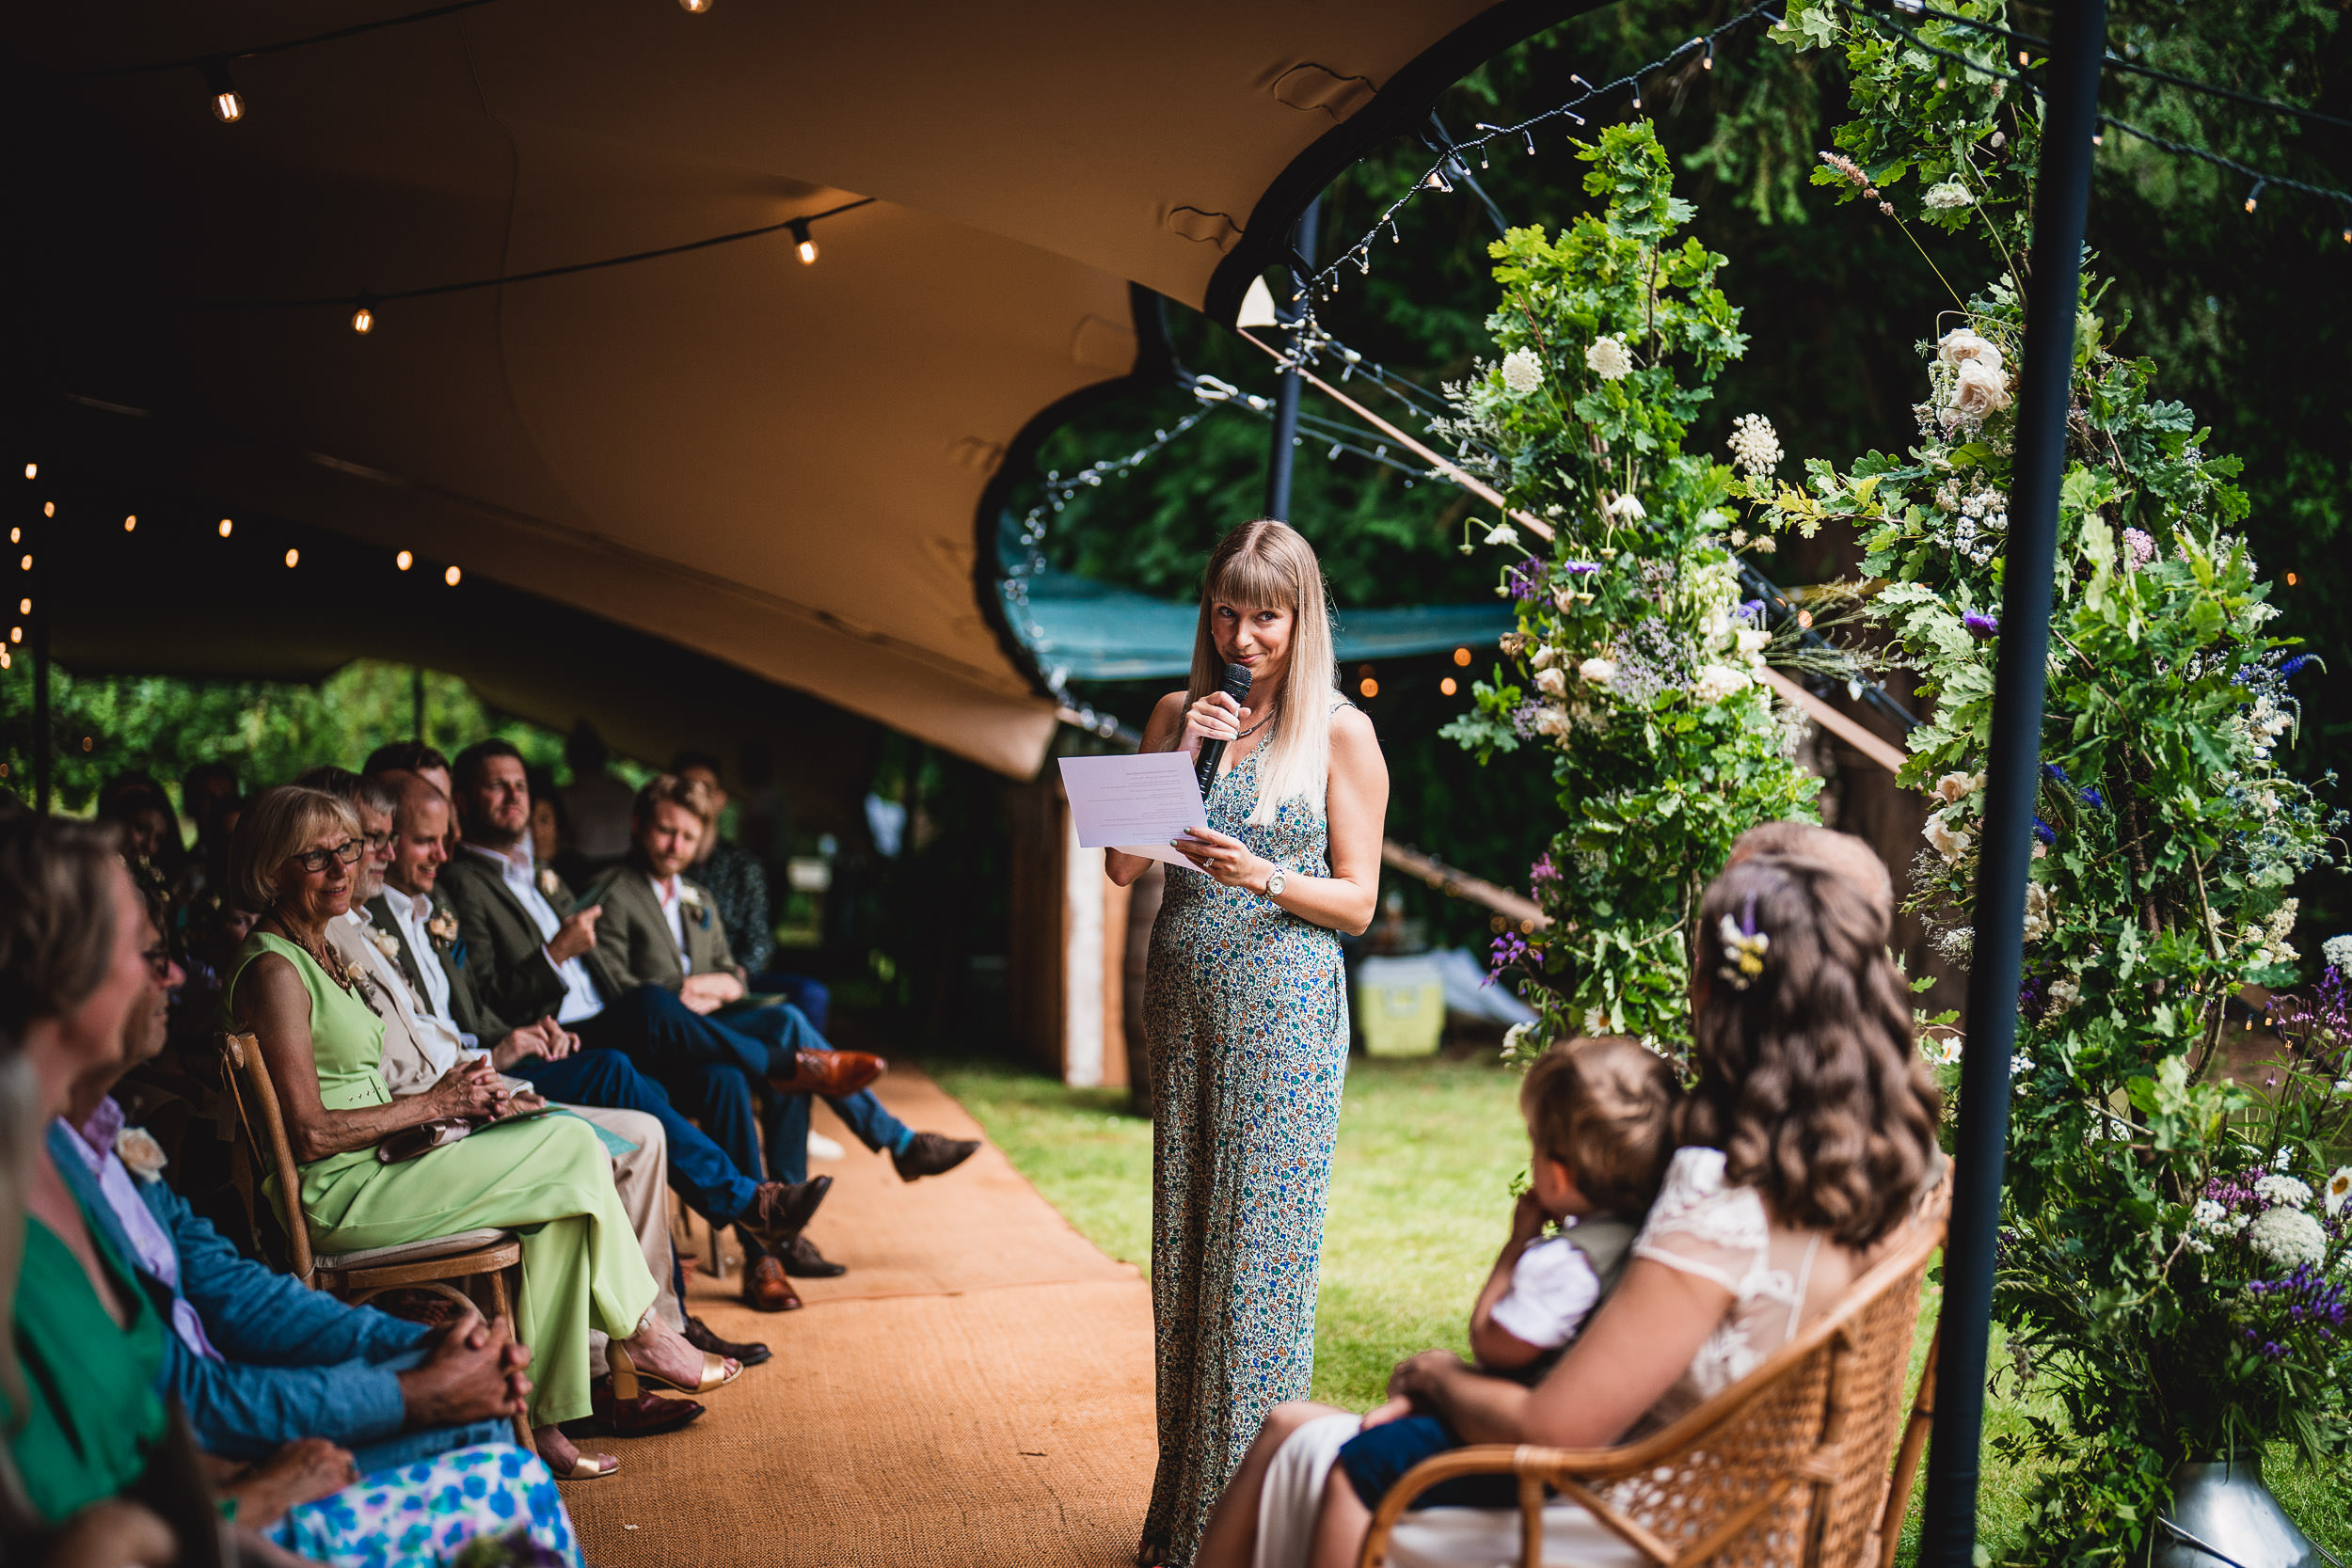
{"type": "Point", "coordinates": [792, 468]}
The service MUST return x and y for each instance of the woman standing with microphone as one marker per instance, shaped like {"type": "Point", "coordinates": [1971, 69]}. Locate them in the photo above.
{"type": "Point", "coordinates": [1246, 1011]}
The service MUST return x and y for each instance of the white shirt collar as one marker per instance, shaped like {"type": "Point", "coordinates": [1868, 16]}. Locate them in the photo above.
{"type": "Point", "coordinates": [408, 911]}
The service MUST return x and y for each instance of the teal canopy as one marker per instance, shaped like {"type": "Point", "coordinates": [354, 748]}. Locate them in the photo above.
{"type": "Point", "coordinates": [1084, 630]}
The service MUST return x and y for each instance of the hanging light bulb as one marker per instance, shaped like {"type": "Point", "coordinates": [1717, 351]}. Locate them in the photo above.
{"type": "Point", "coordinates": [2253, 197]}
{"type": "Point", "coordinates": [131, 523]}
{"type": "Point", "coordinates": [451, 576]}
{"type": "Point", "coordinates": [403, 560]}
{"type": "Point", "coordinates": [227, 103]}
{"type": "Point", "coordinates": [225, 527]}
{"type": "Point", "coordinates": [363, 315]}
{"type": "Point", "coordinates": [1707, 61]}
{"type": "Point", "coordinates": [294, 558]}
{"type": "Point", "coordinates": [694, 8]}
{"type": "Point", "coordinates": [49, 509]}
{"type": "Point", "coordinates": [1637, 98]}
{"type": "Point", "coordinates": [31, 470]}
{"type": "Point", "coordinates": [23, 607]}
{"type": "Point", "coordinates": [802, 243]}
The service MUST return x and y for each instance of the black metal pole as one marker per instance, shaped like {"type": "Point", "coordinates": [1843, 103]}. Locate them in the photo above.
{"type": "Point", "coordinates": [41, 546]}
{"type": "Point", "coordinates": [1277, 473]}
{"type": "Point", "coordinates": [2077, 38]}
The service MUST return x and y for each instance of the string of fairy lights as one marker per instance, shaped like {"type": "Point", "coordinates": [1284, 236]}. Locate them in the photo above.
{"type": "Point", "coordinates": [1453, 154]}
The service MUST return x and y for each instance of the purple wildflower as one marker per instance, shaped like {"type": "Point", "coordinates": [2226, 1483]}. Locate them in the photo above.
{"type": "Point", "coordinates": [1509, 948]}
{"type": "Point", "coordinates": [2091, 797]}
{"type": "Point", "coordinates": [1542, 870]}
{"type": "Point", "coordinates": [1525, 579]}
{"type": "Point", "coordinates": [2043, 831]}
{"type": "Point", "coordinates": [1523, 719]}
{"type": "Point", "coordinates": [1980, 624]}
{"type": "Point", "coordinates": [1751, 611]}
{"type": "Point", "coordinates": [1581, 568]}
{"type": "Point", "coordinates": [2055, 771]}
{"type": "Point", "coordinates": [2294, 666]}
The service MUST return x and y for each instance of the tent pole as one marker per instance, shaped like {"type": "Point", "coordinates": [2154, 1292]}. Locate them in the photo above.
{"type": "Point", "coordinates": [37, 584]}
{"type": "Point", "coordinates": [2078, 37]}
{"type": "Point", "coordinates": [1277, 473]}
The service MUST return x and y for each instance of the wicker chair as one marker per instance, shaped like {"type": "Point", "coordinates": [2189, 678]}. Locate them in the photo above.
{"type": "Point", "coordinates": [439, 1265]}
{"type": "Point", "coordinates": [1786, 1469]}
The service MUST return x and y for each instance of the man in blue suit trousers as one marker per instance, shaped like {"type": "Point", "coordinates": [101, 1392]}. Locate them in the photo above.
{"type": "Point", "coordinates": [258, 1359]}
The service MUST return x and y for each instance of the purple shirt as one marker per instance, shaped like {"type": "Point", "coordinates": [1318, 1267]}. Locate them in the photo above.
{"type": "Point", "coordinates": [94, 1141]}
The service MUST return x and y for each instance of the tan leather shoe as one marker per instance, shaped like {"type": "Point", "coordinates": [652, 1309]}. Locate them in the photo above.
{"type": "Point", "coordinates": [780, 1208]}
{"type": "Point", "coordinates": [831, 1074]}
{"type": "Point", "coordinates": [766, 1287]}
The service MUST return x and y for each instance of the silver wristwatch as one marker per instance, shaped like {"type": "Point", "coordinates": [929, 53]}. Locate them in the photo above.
{"type": "Point", "coordinates": [1276, 881]}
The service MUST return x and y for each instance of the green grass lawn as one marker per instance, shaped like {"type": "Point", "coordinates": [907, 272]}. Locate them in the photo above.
{"type": "Point", "coordinates": [1421, 1199]}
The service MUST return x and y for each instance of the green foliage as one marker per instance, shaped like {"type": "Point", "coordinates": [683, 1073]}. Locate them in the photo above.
{"type": "Point", "coordinates": [268, 731]}
{"type": "Point", "coordinates": [2161, 1277]}
{"type": "Point", "coordinates": [1633, 663]}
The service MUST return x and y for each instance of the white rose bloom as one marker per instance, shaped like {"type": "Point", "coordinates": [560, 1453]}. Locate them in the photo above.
{"type": "Point", "coordinates": [1503, 533]}
{"type": "Point", "coordinates": [2063, 995]}
{"type": "Point", "coordinates": [1718, 681]}
{"type": "Point", "coordinates": [1597, 671]}
{"type": "Point", "coordinates": [1979, 389]}
{"type": "Point", "coordinates": [1522, 371]}
{"type": "Point", "coordinates": [1961, 345]}
{"type": "Point", "coordinates": [2285, 1190]}
{"type": "Point", "coordinates": [1952, 789]}
{"type": "Point", "coordinates": [1608, 359]}
{"type": "Point", "coordinates": [1552, 683]}
{"type": "Point", "coordinates": [2287, 1237]}
{"type": "Point", "coordinates": [1552, 720]}
{"type": "Point", "coordinates": [1945, 840]}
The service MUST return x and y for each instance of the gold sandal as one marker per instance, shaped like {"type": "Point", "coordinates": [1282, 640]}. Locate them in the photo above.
{"type": "Point", "coordinates": [630, 1380]}
{"type": "Point", "coordinates": [585, 1467]}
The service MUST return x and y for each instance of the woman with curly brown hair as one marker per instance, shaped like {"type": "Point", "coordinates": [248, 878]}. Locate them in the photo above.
{"type": "Point", "coordinates": [1805, 1145]}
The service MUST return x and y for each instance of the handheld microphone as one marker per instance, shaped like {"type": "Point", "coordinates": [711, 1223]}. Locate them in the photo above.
{"type": "Point", "coordinates": [1236, 686]}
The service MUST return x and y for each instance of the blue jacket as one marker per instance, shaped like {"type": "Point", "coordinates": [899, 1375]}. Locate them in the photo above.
{"type": "Point", "coordinates": [298, 1362]}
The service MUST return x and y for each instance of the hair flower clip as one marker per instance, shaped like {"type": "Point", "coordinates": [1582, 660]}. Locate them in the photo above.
{"type": "Point", "coordinates": [1744, 948]}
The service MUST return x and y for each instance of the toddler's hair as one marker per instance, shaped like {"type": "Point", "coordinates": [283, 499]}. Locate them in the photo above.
{"type": "Point", "coordinates": [1604, 1108]}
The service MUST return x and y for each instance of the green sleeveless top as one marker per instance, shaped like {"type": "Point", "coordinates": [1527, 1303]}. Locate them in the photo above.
{"type": "Point", "coordinates": [346, 1037]}
{"type": "Point", "coordinates": [95, 1416]}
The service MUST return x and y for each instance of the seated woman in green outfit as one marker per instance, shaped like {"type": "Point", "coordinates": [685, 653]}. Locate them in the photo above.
{"type": "Point", "coordinates": [547, 1179]}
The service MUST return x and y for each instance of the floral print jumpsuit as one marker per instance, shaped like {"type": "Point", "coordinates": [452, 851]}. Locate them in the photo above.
{"type": "Point", "coordinates": [1245, 1012]}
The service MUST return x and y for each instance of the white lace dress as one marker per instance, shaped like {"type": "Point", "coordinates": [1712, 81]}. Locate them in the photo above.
{"type": "Point", "coordinates": [1780, 1279]}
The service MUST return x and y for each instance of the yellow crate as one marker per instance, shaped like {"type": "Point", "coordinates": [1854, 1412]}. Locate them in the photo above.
{"type": "Point", "coordinates": [1399, 1006]}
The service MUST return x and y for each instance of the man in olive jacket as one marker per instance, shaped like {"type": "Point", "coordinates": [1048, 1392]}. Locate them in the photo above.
{"type": "Point", "coordinates": [533, 952]}
{"type": "Point", "coordinates": [658, 928]}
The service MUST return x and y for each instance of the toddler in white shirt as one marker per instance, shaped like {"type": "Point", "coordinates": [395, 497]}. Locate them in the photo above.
{"type": "Point", "coordinates": [1597, 1114]}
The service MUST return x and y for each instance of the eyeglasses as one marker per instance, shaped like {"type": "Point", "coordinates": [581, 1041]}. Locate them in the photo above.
{"type": "Point", "coordinates": [376, 843]}
{"type": "Point", "coordinates": [316, 861]}
{"type": "Point", "coordinates": [158, 959]}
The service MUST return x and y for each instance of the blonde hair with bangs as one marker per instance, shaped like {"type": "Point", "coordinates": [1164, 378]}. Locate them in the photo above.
{"type": "Point", "coordinates": [1268, 564]}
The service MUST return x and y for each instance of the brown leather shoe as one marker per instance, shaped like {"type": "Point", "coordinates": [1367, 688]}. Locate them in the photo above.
{"type": "Point", "coordinates": [751, 1353]}
{"type": "Point", "coordinates": [780, 1210]}
{"type": "Point", "coordinates": [831, 1074]}
{"type": "Point", "coordinates": [765, 1286]}
{"type": "Point", "coordinates": [646, 1416]}
{"type": "Point", "coordinates": [801, 1260]}
{"type": "Point", "coordinates": [932, 1154]}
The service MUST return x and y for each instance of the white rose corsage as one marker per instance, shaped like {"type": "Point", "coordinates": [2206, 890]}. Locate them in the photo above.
{"type": "Point", "coordinates": [548, 881]}
{"type": "Point", "coordinates": [690, 898]}
{"type": "Point", "coordinates": [442, 927]}
{"type": "Point", "coordinates": [136, 1147]}
{"type": "Point", "coordinates": [384, 942]}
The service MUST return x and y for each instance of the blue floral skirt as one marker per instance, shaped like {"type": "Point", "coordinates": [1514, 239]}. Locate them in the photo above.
{"type": "Point", "coordinates": [422, 1515]}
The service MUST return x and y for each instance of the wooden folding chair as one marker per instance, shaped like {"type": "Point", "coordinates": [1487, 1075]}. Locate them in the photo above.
{"type": "Point", "coordinates": [480, 1258]}
{"type": "Point", "coordinates": [1786, 1469]}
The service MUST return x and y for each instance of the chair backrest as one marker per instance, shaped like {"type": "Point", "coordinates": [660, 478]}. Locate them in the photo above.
{"type": "Point", "coordinates": [1789, 1466]}
{"type": "Point", "coordinates": [249, 1080]}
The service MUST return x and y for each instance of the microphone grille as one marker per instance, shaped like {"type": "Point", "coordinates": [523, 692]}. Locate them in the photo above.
{"type": "Point", "coordinates": [1237, 682]}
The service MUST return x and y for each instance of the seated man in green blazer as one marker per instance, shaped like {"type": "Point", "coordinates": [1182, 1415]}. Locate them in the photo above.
{"type": "Point", "coordinates": [658, 928]}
